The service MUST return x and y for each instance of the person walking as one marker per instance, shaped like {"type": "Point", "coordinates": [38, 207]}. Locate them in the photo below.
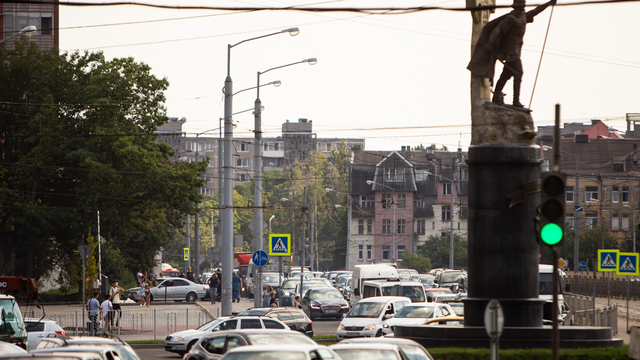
{"type": "Point", "coordinates": [93, 306]}
{"type": "Point", "coordinates": [147, 291]}
{"type": "Point", "coordinates": [219, 273]}
{"type": "Point", "coordinates": [152, 277]}
{"type": "Point", "coordinates": [107, 314]}
{"type": "Point", "coordinates": [237, 283]}
{"type": "Point", "coordinates": [297, 305]}
{"type": "Point", "coordinates": [190, 275]}
{"type": "Point", "coordinates": [213, 287]}
{"type": "Point", "coordinates": [139, 276]}
{"type": "Point", "coordinates": [272, 299]}
{"type": "Point", "coordinates": [114, 292]}
{"type": "Point", "coordinates": [266, 295]}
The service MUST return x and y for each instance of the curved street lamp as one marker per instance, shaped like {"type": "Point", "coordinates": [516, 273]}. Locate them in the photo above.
{"type": "Point", "coordinates": [29, 30]}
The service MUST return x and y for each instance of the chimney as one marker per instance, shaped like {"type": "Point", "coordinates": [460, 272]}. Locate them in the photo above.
{"type": "Point", "coordinates": [403, 148]}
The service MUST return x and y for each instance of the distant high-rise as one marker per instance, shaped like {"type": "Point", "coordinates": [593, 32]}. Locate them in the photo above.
{"type": "Point", "coordinates": [45, 17]}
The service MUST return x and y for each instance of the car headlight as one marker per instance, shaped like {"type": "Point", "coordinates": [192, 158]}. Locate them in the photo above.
{"type": "Point", "coordinates": [286, 293]}
{"type": "Point", "coordinates": [340, 327]}
{"type": "Point", "coordinates": [346, 305]}
{"type": "Point", "coordinates": [177, 338]}
{"type": "Point", "coordinates": [385, 325]}
{"type": "Point", "coordinates": [369, 327]}
{"type": "Point", "coordinates": [315, 306]}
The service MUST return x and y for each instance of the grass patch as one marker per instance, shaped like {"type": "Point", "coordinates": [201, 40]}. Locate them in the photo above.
{"type": "Point", "coordinates": [324, 337]}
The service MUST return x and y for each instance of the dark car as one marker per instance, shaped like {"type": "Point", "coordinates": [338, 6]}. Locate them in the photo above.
{"type": "Point", "coordinates": [450, 279]}
{"type": "Point", "coordinates": [295, 319]}
{"type": "Point", "coordinates": [216, 345]}
{"type": "Point", "coordinates": [324, 302]}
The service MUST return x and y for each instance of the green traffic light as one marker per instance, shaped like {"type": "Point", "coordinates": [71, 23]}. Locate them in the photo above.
{"type": "Point", "coordinates": [551, 234]}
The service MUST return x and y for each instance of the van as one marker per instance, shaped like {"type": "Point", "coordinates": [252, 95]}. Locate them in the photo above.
{"type": "Point", "coordinates": [411, 289]}
{"type": "Point", "coordinates": [367, 272]}
{"type": "Point", "coordinates": [546, 285]}
{"type": "Point", "coordinates": [367, 317]}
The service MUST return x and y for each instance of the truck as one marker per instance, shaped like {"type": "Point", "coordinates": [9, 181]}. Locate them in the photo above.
{"type": "Point", "coordinates": [12, 327]}
{"type": "Point", "coordinates": [364, 272]}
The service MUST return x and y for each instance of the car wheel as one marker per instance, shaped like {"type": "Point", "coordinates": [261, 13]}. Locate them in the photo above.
{"type": "Point", "coordinates": [190, 345]}
{"type": "Point", "coordinates": [192, 297]}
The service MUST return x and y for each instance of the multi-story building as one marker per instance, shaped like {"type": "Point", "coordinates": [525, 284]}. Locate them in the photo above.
{"type": "Point", "coordinates": [401, 198]}
{"type": "Point", "coordinates": [44, 16]}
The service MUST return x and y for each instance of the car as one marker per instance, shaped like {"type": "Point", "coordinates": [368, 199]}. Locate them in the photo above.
{"type": "Point", "coordinates": [250, 322]}
{"type": "Point", "coordinates": [180, 342]}
{"type": "Point", "coordinates": [412, 349]}
{"type": "Point", "coordinates": [431, 294]}
{"type": "Point", "coordinates": [40, 328]}
{"type": "Point", "coordinates": [106, 352]}
{"type": "Point", "coordinates": [404, 275]}
{"type": "Point", "coordinates": [426, 280]}
{"type": "Point", "coordinates": [214, 346]}
{"type": "Point", "coordinates": [341, 280]}
{"type": "Point", "coordinates": [417, 314]}
{"type": "Point", "coordinates": [452, 320]}
{"type": "Point", "coordinates": [290, 288]}
{"type": "Point", "coordinates": [282, 352]}
{"type": "Point", "coordinates": [457, 307]}
{"type": "Point", "coordinates": [368, 351]}
{"type": "Point", "coordinates": [273, 279]}
{"type": "Point", "coordinates": [177, 289]}
{"type": "Point", "coordinates": [324, 302]}
{"type": "Point", "coordinates": [126, 352]}
{"type": "Point", "coordinates": [10, 349]}
{"type": "Point", "coordinates": [295, 319]}
{"type": "Point", "coordinates": [366, 318]}
{"type": "Point", "coordinates": [54, 356]}
{"type": "Point", "coordinates": [450, 279]}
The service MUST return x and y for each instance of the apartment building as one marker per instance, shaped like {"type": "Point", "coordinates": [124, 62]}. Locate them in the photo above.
{"type": "Point", "coordinates": [44, 16]}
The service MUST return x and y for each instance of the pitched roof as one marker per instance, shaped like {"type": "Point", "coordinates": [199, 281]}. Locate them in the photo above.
{"type": "Point", "coordinates": [600, 130]}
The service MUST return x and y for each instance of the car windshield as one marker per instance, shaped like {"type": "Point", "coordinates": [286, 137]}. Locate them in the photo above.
{"type": "Point", "coordinates": [415, 312]}
{"type": "Point", "coordinates": [366, 310]}
{"type": "Point", "coordinates": [326, 294]}
{"type": "Point", "coordinates": [276, 339]}
{"type": "Point", "coordinates": [458, 308]}
{"type": "Point", "coordinates": [342, 280]}
{"type": "Point", "coordinates": [427, 281]}
{"type": "Point", "coordinates": [450, 277]}
{"type": "Point", "coordinates": [415, 293]}
{"type": "Point", "coordinates": [209, 325]}
{"type": "Point", "coordinates": [270, 278]}
{"type": "Point", "coordinates": [311, 285]}
{"type": "Point", "coordinates": [11, 323]}
{"type": "Point", "coordinates": [365, 354]}
{"type": "Point", "coordinates": [415, 353]}
{"type": "Point", "coordinates": [290, 284]}
{"type": "Point", "coordinates": [270, 355]}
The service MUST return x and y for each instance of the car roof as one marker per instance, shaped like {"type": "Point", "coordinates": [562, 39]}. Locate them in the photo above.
{"type": "Point", "coordinates": [447, 290]}
{"type": "Point", "coordinates": [87, 340]}
{"type": "Point", "coordinates": [382, 299]}
{"type": "Point", "coordinates": [279, 348]}
{"type": "Point", "coordinates": [380, 340]}
{"type": "Point", "coordinates": [256, 331]}
{"type": "Point", "coordinates": [369, 346]}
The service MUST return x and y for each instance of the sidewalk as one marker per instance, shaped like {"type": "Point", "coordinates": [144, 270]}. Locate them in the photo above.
{"type": "Point", "coordinates": [215, 309]}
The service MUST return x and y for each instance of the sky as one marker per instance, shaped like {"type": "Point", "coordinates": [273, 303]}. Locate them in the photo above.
{"type": "Point", "coordinates": [393, 79]}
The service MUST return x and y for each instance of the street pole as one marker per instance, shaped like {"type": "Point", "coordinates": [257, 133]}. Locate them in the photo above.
{"type": "Point", "coordinates": [304, 234]}
{"type": "Point", "coordinates": [576, 222]}
{"type": "Point", "coordinates": [227, 205]}
{"type": "Point", "coordinates": [349, 214]}
{"type": "Point", "coordinates": [188, 262]}
{"type": "Point", "coordinates": [258, 238]}
{"type": "Point", "coordinates": [393, 227]}
{"type": "Point", "coordinates": [451, 233]}
{"type": "Point", "coordinates": [312, 233]}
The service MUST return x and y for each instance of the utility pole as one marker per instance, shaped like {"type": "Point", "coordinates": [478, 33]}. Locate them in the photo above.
{"type": "Point", "coordinates": [312, 233]}
{"type": "Point", "coordinates": [302, 238]}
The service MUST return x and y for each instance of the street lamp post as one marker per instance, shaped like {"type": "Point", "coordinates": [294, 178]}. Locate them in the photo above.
{"type": "Point", "coordinates": [393, 219]}
{"type": "Point", "coordinates": [29, 30]}
{"type": "Point", "coordinates": [257, 166]}
{"type": "Point", "coordinates": [451, 219]}
{"type": "Point", "coordinates": [347, 263]}
{"type": "Point", "coordinates": [227, 205]}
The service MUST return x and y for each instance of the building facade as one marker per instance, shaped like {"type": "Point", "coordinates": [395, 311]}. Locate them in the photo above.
{"type": "Point", "coordinates": [44, 16]}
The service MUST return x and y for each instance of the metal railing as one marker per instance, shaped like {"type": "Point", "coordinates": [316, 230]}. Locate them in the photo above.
{"type": "Point", "coordinates": [583, 312]}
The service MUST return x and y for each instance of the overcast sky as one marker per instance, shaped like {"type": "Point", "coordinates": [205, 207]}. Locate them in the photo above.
{"type": "Point", "coordinates": [391, 79]}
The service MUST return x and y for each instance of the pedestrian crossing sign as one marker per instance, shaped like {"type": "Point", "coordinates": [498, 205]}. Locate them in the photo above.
{"type": "Point", "coordinates": [279, 244]}
{"type": "Point", "coordinates": [607, 260]}
{"type": "Point", "coordinates": [628, 264]}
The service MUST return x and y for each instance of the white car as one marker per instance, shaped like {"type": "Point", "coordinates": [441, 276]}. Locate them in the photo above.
{"type": "Point", "coordinates": [177, 289]}
{"type": "Point", "coordinates": [367, 317]}
{"type": "Point", "coordinates": [38, 329]}
{"type": "Point", "coordinates": [282, 352]}
{"type": "Point", "coordinates": [182, 341]}
{"type": "Point", "coordinates": [250, 322]}
{"type": "Point", "coordinates": [417, 314]}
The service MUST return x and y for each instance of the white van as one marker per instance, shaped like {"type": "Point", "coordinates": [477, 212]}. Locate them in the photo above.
{"type": "Point", "coordinates": [367, 317]}
{"type": "Point", "coordinates": [411, 289]}
{"type": "Point", "coordinates": [366, 272]}
{"type": "Point", "coordinates": [546, 285]}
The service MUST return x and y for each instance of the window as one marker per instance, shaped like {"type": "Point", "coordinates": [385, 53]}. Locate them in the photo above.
{"type": "Point", "coordinates": [446, 212]}
{"type": "Point", "coordinates": [47, 26]}
{"type": "Point", "coordinates": [244, 147]}
{"type": "Point", "coordinates": [250, 324]}
{"type": "Point", "coordinates": [234, 342]}
{"type": "Point", "coordinates": [276, 146]}
{"type": "Point", "coordinates": [615, 194]}
{"type": "Point", "coordinates": [385, 252]}
{"type": "Point", "coordinates": [369, 226]}
{"type": "Point", "coordinates": [569, 193]}
{"type": "Point", "coordinates": [418, 202]}
{"type": "Point", "coordinates": [215, 345]}
{"type": "Point", "coordinates": [228, 325]}
{"type": "Point", "coordinates": [402, 224]}
{"type": "Point", "coordinates": [446, 188]}
{"type": "Point", "coordinates": [386, 226]}
{"type": "Point", "coordinates": [369, 251]}
{"type": "Point", "coordinates": [445, 234]}
{"type": "Point", "coordinates": [420, 227]}
{"type": "Point", "coordinates": [421, 175]}
{"type": "Point", "coordinates": [625, 194]}
{"type": "Point", "coordinates": [401, 250]}
{"type": "Point", "coordinates": [569, 220]}
{"type": "Point", "coordinates": [367, 202]}
{"type": "Point", "coordinates": [266, 147]}
{"type": "Point", "coordinates": [241, 177]}
{"type": "Point", "coordinates": [386, 200]}
{"type": "Point", "coordinates": [360, 226]}
{"type": "Point", "coordinates": [590, 220]}
{"type": "Point", "coordinates": [402, 201]}
{"type": "Point", "coordinates": [270, 324]}
{"type": "Point", "coordinates": [625, 222]}
{"type": "Point", "coordinates": [394, 175]}
{"type": "Point", "coordinates": [32, 326]}
{"type": "Point", "coordinates": [618, 167]}
{"type": "Point", "coordinates": [242, 162]}
{"type": "Point", "coordinates": [615, 222]}
{"type": "Point", "coordinates": [360, 252]}
{"type": "Point", "coordinates": [591, 194]}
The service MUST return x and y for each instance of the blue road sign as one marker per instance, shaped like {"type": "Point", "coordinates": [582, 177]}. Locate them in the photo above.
{"type": "Point", "coordinates": [260, 258]}
{"type": "Point", "coordinates": [607, 260]}
{"type": "Point", "coordinates": [582, 265]}
{"type": "Point", "coordinates": [627, 264]}
{"type": "Point", "coordinates": [279, 244]}
{"type": "Point", "coordinates": [579, 208]}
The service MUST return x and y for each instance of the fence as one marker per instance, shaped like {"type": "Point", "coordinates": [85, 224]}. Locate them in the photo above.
{"type": "Point", "coordinates": [583, 312]}
{"type": "Point", "coordinates": [135, 324]}
{"type": "Point", "coordinates": [614, 287]}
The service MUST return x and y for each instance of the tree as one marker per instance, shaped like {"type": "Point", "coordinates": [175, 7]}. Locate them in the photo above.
{"type": "Point", "coordinates": [436, 248]}
{"type": "Point", "coordinates": [78, 136]}
{"type": "Point", "coordinates": [417, 262]}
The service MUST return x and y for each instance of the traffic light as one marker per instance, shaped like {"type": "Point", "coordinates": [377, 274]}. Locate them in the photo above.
{"type": "Point", "coordinates": [552, 212]}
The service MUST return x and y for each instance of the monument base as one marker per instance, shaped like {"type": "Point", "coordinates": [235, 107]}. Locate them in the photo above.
{"type": "Point", "coordinates": [571, 337]}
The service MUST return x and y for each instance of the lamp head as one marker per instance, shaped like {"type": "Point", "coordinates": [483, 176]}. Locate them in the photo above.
{"type": "Point", "coordinates": [311, 61]}
{"type": "Point", "coordinates": [292, 31]}
{"type": "Point", "coordinates": [276, 83]}
{"type": "Point", "coordinates": [29, 30]}
{"type": "Point", "coordinates": [369, 182]}
{"type": "Point", "coordinates": [328, 189]}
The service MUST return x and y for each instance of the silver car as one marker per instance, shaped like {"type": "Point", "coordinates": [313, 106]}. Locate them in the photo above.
{"type": "Point", "coordinates": [177, 289]}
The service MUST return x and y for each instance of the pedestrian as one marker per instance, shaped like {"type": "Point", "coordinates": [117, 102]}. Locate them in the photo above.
{"type": "Point", "coordinates": [152, 277]}
{"type": "Point", "coordinates": [143, 297]}
{"type": "Point", "coordinates": [181, 275]}
{"type": "Point", "coordinates": [114, 292]}
{"type": "Point", "coordinates": [147, 291]}
{"type": "Point", "coordinates": [213, 287]}
{"type": "Point", "coordinates": [93, 306]}
{"type": "Point", "coordinates": [237, 284]}
{"type": "Point", "coordinates": [139, 276]}
{"type": "Point", "coordinates": [107, 314]}
{"type": "Point", "coordinates": [297, 305]}
{"type": "Point", "coordinates": [272, 299]}
{"type": "Point", "coordinates": [219, 283]}
{"type": "Point", "coordinates": [266, 295]}
{"type": "Point", "coordinates": [190, 275]}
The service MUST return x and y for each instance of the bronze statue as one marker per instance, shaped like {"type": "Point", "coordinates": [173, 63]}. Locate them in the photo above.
{"type": "Point", "coordinates": [502, 39]}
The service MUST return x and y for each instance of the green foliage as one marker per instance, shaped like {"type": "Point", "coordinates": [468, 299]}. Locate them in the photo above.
{"type": "Point", "coordinates": [436, 248]}
{"type": "Point", "coordinates": [417, 262]}
{"type": "Point", "coordinates": [591, 240]}
{"type": "Point", "coordinates": [419, 148]}
{"type": "Point", "coordinates": [78, 135]}
{"type": "Point", "coordinates": [434, 147]}
{"type": "Point", "coordinates": [530, 354]}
